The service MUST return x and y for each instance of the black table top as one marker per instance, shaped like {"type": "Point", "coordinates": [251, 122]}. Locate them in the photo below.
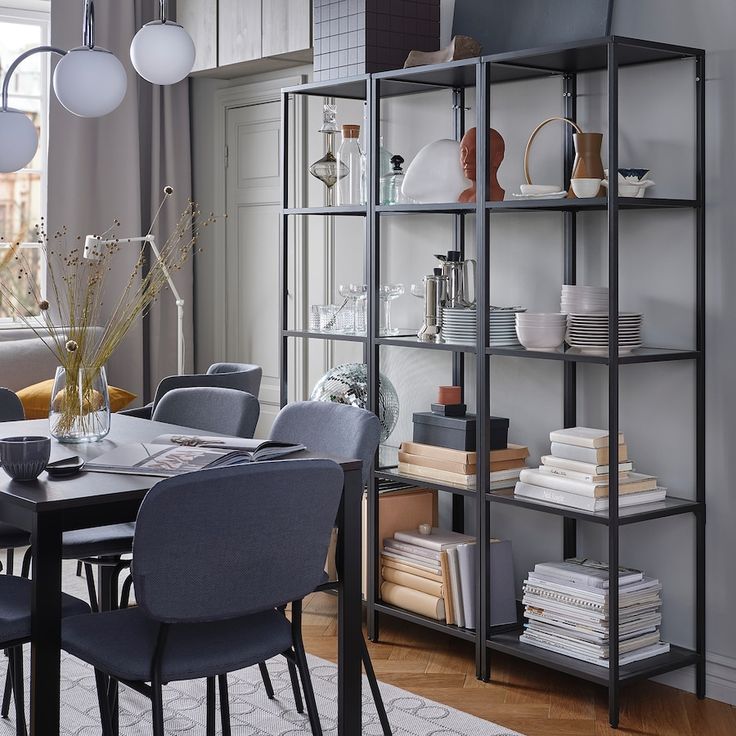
{"type": "Point", "coordinates": [86, 488]}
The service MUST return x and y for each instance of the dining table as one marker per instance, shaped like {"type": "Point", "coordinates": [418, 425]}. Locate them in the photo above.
{"type": "Point", "coordinates": [48, 507]}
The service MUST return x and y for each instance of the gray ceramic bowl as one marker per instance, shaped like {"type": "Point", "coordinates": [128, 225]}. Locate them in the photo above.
{"type": "Point", "coordinates": [24, 458]}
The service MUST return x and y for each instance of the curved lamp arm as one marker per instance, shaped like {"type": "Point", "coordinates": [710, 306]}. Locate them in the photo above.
{"type": "Point", "coordinates": [18, 61]}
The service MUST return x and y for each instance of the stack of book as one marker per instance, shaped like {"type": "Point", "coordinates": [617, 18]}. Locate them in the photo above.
{"type": "Point", "coordinates": [459, 467]}
{"type": "Point", "coordinates": [431, 574]}
{"type": "Point", "coordinates": [576, 471]}
{"type": "Point", "coordinates": [566, 607]}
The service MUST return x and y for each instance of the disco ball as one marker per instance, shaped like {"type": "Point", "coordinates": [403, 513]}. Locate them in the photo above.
{"type": "Point", "coordinates": [348, 384]}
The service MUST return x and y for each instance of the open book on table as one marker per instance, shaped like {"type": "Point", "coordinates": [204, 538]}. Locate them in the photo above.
{"type": "Point", "coordinates": [170, 455]}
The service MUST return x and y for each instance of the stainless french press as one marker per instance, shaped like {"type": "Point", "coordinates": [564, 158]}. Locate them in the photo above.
{"type": "Point", "coordinates": [457, 273]}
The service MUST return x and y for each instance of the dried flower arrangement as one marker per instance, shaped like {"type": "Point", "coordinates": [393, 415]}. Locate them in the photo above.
{"type": "Point", "coordinates": [79, 298]}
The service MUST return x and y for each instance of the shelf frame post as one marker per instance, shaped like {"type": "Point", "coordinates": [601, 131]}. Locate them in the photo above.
{"type": "Point", "coordinates": [284, 254]}
{"type": "Point", "coordinates": [483, 377]}
{"type": "Point", "coordinates": [373, 275]}
{"type": "Point", "coordinates": [570, 94]}
{"type": "Point", "coordinates": [613, 384]}
{"type": "Point", "coordinates": [700, 377]}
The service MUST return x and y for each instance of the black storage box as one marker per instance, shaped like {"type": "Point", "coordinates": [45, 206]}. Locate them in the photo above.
{"type": "Point", "coordinates": [457, 433]}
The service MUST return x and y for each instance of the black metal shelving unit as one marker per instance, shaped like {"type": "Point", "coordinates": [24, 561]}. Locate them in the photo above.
{"type": "Point", "coordinates": [565, 62]}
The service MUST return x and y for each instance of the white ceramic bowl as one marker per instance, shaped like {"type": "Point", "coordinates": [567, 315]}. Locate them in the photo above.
{"type": "Point", "coordinates": [585, 188]}
{"type": "Point", "coordinates": [539, 189]}
{"type": "Point", "coordinates": [541, 338]}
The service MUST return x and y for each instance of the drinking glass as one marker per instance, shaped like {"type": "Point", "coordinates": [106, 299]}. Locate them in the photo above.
{"type": "Point", "coordinates": [387, 293]}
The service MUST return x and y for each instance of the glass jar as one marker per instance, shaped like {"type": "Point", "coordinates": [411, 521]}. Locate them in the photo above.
{"type": "Point", "coordinates": [351, 188]}
{"type": "Point", "coordinates": [80, 405]}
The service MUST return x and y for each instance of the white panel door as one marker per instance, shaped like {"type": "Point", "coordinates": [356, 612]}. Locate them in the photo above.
{"type": "Point", "coordinates": [252, 255]}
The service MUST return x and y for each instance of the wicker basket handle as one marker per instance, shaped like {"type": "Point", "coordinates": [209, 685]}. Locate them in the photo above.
{"type": "Point", "coordinates": [534, 135]}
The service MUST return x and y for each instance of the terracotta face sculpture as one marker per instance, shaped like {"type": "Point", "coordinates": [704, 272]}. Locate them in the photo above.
{"type": "Point", "coordinates": [467, 159]}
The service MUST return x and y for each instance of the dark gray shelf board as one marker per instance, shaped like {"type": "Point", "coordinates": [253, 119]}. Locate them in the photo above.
{"type": "Point", "coordinates": [450, 208]}
{"type": "Point", "coordinates": [359, 211]}
{"type": "Point", "coordinates": [641, 355]}
{"type": "Point", "coordinates": [594, 204]}
{"type": "Point", "coordinates": [308, 334]}
{"type": "Point", "coordinates": [419, 482]}
{"type": "Point", "coordinates": [508, 643]}
{"type": "Point", "coordinates": [348, 88]}
{"type": "Point", "coordinates": [671, 506]}
{"type": "Point", "coordinates": [590, 55]}
{"type": "Point", "coordinates": [411, 341]}
{"type": "Point", "coordinates": [429, 623]}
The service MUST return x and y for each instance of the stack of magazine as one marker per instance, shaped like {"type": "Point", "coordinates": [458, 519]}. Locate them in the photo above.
{"type": "Point", "coordinates": [576, 471]}
{"type": "Point", "coordinates": [566, 607]}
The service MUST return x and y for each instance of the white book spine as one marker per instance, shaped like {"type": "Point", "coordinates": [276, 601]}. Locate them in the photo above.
{"type": "Point", "coordinates": [466, 562]}
{"type": "Point", "coordinates": [456, 586]}
{"type": "Point", "coordinates": [556, 482]}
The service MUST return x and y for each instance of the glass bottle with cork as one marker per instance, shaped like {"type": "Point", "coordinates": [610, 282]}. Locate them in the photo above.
{"type": "Point", "coordinates": [351, 189]}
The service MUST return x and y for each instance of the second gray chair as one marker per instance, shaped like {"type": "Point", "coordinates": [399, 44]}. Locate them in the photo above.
{"type": "Point", "coordinates": [240, 376]}
{"type": "Point", "coordinates": [220, 410]}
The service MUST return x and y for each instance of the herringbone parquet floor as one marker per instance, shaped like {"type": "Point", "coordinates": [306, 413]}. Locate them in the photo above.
{"type": "Point", "coordinates": [526, 698]}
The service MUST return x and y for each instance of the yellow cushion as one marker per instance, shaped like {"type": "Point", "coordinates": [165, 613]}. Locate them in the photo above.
{"type": "Point", "coordinates": [37, 398]}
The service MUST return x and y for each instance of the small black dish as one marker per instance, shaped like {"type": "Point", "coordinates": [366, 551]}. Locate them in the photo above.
{"type": "Point", "coordinates": [66, 467]}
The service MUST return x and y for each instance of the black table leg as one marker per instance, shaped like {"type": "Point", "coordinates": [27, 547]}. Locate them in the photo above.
{"type": "Point", "coordinates": [46, 626]}
{"type": "Point", "coordinates": [107, 601]}
{"type": "Point", "coordinates": [350, 611]}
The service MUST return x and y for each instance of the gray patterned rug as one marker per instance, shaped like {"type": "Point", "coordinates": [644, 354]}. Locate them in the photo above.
{"type": "Point", "coordinates": [253, 714]}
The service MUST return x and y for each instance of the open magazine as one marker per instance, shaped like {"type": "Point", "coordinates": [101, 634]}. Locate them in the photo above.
{"type": "Point", "coordinates": [171, 455]}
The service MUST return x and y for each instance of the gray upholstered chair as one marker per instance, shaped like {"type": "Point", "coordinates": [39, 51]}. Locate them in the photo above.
{"type": "Point", "coordinates": [238, 376]}
{"type": "Point", "coordinates": [221, 410]}
{"type": "Point", "coordinates": [15, 631]}
{"type": "Point", "coordinates": [270, 524]}
{"type": "Point", "coordinates": [337, 430]}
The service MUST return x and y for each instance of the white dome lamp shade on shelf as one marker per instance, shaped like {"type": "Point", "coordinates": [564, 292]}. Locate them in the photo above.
{"type": "Point", "coordinates": [90, 81]}
{"type": "Point", "coordinates": [162, 52]}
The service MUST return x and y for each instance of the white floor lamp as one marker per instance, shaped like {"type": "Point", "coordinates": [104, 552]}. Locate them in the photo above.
{"type": "Point", "coordinates": [92, 241]}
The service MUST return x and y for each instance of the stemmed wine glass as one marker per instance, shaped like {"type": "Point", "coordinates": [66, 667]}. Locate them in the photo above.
{"type": "Point", "coordinates": [387, 294]}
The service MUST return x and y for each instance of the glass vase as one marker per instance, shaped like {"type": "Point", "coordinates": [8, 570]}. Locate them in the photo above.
{"type": "Point", "coordinates": [80, 405]}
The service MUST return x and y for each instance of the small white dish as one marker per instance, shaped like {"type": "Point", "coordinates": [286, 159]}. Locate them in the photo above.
{"type": "Point", "coordinates": [585, 188]}
{"type": "Point", "coordinates": [536, 190]}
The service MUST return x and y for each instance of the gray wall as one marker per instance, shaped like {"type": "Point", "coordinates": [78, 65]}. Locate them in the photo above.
{"type": "Point", "coordinates": [657, 259]}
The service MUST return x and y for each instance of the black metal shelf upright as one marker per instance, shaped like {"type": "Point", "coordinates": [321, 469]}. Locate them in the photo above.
{"type": "Point", "coordinates": [565, 62]}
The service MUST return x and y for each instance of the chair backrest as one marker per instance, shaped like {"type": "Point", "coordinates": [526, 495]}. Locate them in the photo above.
{"type": "Point", "coordinates": [221, 410]}
{"type": "Point", "coordinates": [11, 410]}
{"type": "Point", "coordinates": [224, 543]}
{"type": "Point", "coordinates": [338, 430]}
{"type": "Point", "coordinates": [239, 376]}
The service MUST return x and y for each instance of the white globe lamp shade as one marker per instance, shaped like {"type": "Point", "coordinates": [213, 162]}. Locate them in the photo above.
{"type": "Point", "coordinates": [163, 53]}
{"type": "Point", "coordinates": [18, 141]}
{"type": "Point", "coordinates": [90, 83]}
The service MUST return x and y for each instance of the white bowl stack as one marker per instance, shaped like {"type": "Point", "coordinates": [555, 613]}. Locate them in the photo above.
{"type": "Point", "coordinates": [541, 331]}
{"type": "Point", "coordinates": [588, 331]}
{"type": "Point", "coordinates": [459, 325]}
{"type": "Point", "coordinates": [583, 299]}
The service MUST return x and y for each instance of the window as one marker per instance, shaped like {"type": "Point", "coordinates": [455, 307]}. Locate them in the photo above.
{"type": "Point", "coordinates": [24, 25]}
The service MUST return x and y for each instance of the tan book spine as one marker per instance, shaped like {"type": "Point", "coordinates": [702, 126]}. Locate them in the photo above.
{"type": "Point", "coordinates": [406, 567]}
{"type": "Point", "coordinates": [449, 608]}
{"type": "Point", "coordinates": [438, 475]}
{"type": "Point", "coordinates": [413, 600]}
{"type": "Point", "coordinates": [399, 577]}
{"type": "Point", "coordinates": [512, 452]}
{"type": "Point", "coordinates": [431, 462]}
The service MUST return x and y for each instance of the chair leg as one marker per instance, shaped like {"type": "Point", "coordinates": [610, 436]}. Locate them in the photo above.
{"type": "Point", "coordinates": [224, 706]}
{"type": "Point", "coordinates": [157, 703]}
{"type": "Point", "coordinates": [8, 692]}
{"type": "Point", "coordinates": [103, 700]}
{"type": "Point", "coordinates": [296, 688]}
{"type": "Point", "coordinates": [211, 709]}
{"type": "Point", "coordinates": [79, 568]}
{"type": "Point", "coordinates": [125, 592]}
{"type": "Point", "coordinates": [301, 662]}
{"type": "Point", "coordinates": [91, 588]}
{"type": "Point", "coordinates": [25, 570]}
{"type": "Point", "coordinates": [266, 680]}
{"type": "Point", "coordinates": [16, 665]}
{"type": "Point", "coordinates": [375, 691]}
{"type": "Point", "coordinates": [9, 560]}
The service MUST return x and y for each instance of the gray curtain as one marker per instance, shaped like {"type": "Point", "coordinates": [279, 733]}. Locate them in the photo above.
{"type": "Point", "coordinates": [117, 167]}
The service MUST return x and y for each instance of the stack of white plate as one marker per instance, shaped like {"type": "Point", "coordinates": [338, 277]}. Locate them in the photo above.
{"type": "Point", "coordinates": [588, 331]}
{"type": "Point", "coordinates": [583, 299]}
{"type": "Point", "coordinates": [503, 326]}
{"type": "Point", "coordinates": [459, 324]}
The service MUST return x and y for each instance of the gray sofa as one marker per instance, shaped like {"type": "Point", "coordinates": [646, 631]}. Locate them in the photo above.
{"type": "Point", "coordinates": [24, 359]}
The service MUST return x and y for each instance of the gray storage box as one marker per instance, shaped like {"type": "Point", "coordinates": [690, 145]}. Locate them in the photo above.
{"type": "Point", "coordinates": [457, 433]}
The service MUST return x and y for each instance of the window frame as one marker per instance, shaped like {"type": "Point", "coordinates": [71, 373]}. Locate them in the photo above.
{"type": "Point", "coordinates": [37, 12]}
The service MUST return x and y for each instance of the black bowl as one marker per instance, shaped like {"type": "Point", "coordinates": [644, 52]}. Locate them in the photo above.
{"type": "Point", "coordinates": [24, 458]}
